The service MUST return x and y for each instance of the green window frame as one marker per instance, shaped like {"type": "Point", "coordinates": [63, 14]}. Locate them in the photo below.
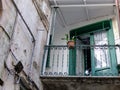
{"type": "Point", "coordinates": [95, 27]}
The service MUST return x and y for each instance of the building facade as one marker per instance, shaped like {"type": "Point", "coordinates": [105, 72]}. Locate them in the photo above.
{"type": "Point", "coordinates": [34, 54]}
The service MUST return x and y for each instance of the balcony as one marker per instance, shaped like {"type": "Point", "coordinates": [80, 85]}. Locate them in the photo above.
{"type": "Point", "coordinates": [86, 67]}
{"type": "Point", "coordinates": [83, 60]}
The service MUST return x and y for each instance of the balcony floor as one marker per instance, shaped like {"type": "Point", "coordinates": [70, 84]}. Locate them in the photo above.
{"type": "Point", "coordinates": [81, 83]}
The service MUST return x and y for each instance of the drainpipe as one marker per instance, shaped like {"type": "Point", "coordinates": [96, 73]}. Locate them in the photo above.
{"type": "Point", "coordinates": [51, 26]}
{"type": "Point", "coordinates": [5, 31]}
{"type": "Point", "coordinates": [54, 25]}
{"type": "Point", "coordinates": [33, 41]}
{"type": "Point", "coordinates": [118, 14]}
{"type": "Point", "coordinates": [31, 61]}
{"type": "Point", "coordinates": [23, 20]}
{"type": "Point", "coordinates": [50, 33]}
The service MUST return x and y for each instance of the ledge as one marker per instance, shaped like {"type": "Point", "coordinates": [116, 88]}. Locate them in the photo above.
{"type": "Point", "coordinates": [80, 82]}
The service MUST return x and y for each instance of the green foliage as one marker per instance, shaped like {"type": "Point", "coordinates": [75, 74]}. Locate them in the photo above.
{"type": "Point", "coordinates": [67, 38]}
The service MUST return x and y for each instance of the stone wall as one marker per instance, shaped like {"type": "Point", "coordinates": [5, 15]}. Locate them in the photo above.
{"type": "Point", "coordinates": [24, 27]}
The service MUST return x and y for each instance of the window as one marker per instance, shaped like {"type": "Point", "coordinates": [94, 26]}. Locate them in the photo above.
{"type": "Point", "coordinates": [101, 61]}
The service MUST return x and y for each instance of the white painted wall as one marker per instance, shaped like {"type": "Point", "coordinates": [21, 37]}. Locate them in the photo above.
{"type": "Point", "coordinates": [59, 32]}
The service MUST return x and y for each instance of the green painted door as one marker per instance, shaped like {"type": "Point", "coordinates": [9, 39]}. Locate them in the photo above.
{"type": "Point", "coordinates": [103, 58]}
{"type": "Point", "coordinates": [103, 61]}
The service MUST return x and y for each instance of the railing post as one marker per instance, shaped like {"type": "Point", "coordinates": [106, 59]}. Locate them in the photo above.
{"type": "Point", "coordinates": [44, 60]}
{"type": "Point", "coordinates": [72, 62]}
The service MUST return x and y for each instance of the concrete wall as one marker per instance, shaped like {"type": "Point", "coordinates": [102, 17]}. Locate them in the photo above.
{"type": "Point", "coordinates": [82, 83]}
{"type": "Point", "coordinates": [24, 26]}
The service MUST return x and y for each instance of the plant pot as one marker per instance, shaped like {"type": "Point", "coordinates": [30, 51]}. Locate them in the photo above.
{"type": "Point", "coordinates": [71, 44]}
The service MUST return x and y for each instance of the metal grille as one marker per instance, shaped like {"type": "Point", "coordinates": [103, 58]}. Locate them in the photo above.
{"type": "Point", "coordinates": [59, 58]}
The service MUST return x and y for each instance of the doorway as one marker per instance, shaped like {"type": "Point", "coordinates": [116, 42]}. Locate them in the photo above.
{"type": "Point", "coordinates": [87, 56]}
{"type": "Point", "coordinates": [85, 40]}
{"type": "Point", "coordinates": [97, 62]}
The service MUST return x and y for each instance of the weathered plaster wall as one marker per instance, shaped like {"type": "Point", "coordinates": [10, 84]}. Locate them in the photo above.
{"type": "Point", "coordinates": [23, 33]}
{"type": "Point", "coordinates": [81, 83]}
{"type": "Point", "coordinates": [115, 29]}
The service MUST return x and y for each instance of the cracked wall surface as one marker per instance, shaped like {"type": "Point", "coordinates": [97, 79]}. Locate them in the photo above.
{"type": "Point", "coordinates": [23, 33]}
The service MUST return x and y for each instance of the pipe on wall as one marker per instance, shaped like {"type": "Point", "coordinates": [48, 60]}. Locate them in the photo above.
{"type": "Point", "coordinates": [5, 31]}
{"type": "Point", "coordinates": [84, 5]}
{"type": "Point", "coordinates": [33, 41]}
{"type": "Point", "coordinates": [23, 20]}
{"type": "Point", "coordinates": [31, 60]}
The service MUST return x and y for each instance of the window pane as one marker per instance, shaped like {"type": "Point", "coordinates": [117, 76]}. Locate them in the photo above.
{"type": "Point", "coordinates": [101, 56]}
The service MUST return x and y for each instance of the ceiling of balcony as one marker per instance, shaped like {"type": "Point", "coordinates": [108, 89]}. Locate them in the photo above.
{"type": "Point", "coordinates": [71, 12]}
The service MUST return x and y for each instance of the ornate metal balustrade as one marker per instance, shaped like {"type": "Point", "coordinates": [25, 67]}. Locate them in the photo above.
{"type": "Point", "coordinates": [56, 59]}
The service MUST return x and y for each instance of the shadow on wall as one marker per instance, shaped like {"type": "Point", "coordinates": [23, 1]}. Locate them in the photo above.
{"type": "Point", "coordinates": [0, 8]}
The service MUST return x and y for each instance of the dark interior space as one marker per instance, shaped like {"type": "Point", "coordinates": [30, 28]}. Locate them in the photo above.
{"type": "Point", "coordinates": [87, 56]}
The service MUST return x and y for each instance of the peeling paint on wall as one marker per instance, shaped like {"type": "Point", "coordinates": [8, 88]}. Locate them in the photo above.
{"type": "Point", "coordinates": [20, 24]}
{"type": "Point", "coordinates": [4, 48]}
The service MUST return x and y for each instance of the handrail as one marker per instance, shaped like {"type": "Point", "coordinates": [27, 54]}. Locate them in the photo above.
{"type": "Point", "coordinates": [117, 45]}
{"type": "Point", "coordinates": [59, 58]}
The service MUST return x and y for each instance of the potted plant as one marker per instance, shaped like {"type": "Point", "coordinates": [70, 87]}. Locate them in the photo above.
{"type": "Point", "coordinates": [70, 41]}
